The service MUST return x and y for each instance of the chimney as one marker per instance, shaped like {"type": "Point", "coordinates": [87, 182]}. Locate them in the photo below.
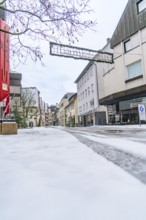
{"type": "Point", "coordinates": [108, 40]}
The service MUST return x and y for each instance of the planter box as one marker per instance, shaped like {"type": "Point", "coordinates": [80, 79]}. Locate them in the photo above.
{"type": "Point", "coordinates": [9, 128]}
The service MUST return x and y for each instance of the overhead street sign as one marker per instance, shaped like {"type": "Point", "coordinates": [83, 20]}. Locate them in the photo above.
{"type": "Point", "coordinates": [80, 53]}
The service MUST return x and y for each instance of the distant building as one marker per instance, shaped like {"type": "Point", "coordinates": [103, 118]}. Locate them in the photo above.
{"type": "Point", "coordinates": [62, 105]}
{"type": "Point", "coordinates": [42, 112]}
{"type": "Point", "coordinates": [88, 89]}
{"type": "Point", "coordinates": [52, 115]}
{"type": "Point", "coordinates": [72, 111]}
{"type": "Point", "coordinates": [15, 89]}
{"type": "Point", "coordinates": [46, 109]}
{"type": "Point", "coordinates": [32, 103]}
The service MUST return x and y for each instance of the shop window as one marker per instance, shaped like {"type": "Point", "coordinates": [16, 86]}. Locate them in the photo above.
{"type": "Point", "coordinates": [127, 46]}
{"type": "Point", "coordinates": [141, 5]}
{"type": "Point", "coordinates": [134, 69]}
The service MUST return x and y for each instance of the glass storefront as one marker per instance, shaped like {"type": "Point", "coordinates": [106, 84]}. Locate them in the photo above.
{"type": "Point", "coordinates": [125, 112]}
{"type": "Point", "coordinates": [86, 120]}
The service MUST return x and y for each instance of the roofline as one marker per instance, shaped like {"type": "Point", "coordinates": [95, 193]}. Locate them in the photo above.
{"type": "Point", "coordinates": [84, 71]}
{"type": "Point", "coordinates": [66, 95]}
{"type": "Point", "coordinates": [72, 96]}
{"type": "Point", "coordinates": [31, 88]}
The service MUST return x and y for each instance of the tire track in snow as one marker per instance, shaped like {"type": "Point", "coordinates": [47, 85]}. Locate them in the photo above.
{"type": "Point", "coordinates": [134, 165]}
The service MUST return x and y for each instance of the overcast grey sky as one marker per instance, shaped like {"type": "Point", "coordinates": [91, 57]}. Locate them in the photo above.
{"type": "Point", "coordinates": [59, 74]}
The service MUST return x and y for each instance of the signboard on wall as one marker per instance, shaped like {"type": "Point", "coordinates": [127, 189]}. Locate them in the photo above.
{"type": "Point", "coordinates": [142, 112]}
{"type": "Point", "coordinates": [4, 87]}
{"type": "Point", "coordinates": [133, 105]}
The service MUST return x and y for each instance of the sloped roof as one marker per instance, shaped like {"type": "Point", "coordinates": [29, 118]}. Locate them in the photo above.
{"type": "Point", "coordinates": [74, 94]}
{"type": "Point", "coordinates": [130, 22]}
{"type": "Point", "coordinates": [68, 95]}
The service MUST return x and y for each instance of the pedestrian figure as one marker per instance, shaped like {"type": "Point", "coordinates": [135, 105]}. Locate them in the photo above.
{"type": "Point", "coordinates": [31, 124]}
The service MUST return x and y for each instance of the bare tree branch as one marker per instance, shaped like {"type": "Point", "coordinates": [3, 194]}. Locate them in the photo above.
{"type": "Point", "coordinates": [44, 20]}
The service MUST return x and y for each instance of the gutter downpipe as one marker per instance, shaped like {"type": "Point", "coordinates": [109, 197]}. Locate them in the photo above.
{"type": "Point", "coordinates": [97, 90]}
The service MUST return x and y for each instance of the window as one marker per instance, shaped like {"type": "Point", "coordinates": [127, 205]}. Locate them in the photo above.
{"type": "Point", "coordinates": [92, 89]}
{"type": "Point", "coordinates": [92, 103]}
{"type": "Point", "coordinates": [141, 5]}
{"type": "Point", "coordinates": [127, 46]}
{"type": "Point", "coordinates": [134, 69]}
{"type": "Point", "coordinates": [88, 90]}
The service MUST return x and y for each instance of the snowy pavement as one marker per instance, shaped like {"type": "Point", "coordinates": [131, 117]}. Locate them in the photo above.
{"type": "Point", "coordinates": [123, 145]}
{"type": "Point", "coordinates": [132, 159]}
{"type": "Point", "coordinates": [47, 174]}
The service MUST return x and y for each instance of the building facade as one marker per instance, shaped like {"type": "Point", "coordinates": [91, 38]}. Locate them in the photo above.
{"type": "Point", "coordinates": [15, 89]}
{"type": "Point", "coordinates": [88, 90]}
{"type": "Point", "coordinates": [42, 120]}
{"type": "Point", "coordinates": [125, 83]}
{"type": "Point", "coordinates": [72, 111]}
{"type": "Point", "coordinates": [62, 109]}
{"type": "Point", "coordinates": [52, 115]}
{"type": "Point", "coordinates": [30, 102]}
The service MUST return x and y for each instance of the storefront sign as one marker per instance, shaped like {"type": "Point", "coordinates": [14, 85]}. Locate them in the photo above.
{"type": "Point", "coordinates": [133, 105]}
{"type": "Point", "coordinates": [4, 87]}
{"type": "Point", "coordinates": [142, 112]}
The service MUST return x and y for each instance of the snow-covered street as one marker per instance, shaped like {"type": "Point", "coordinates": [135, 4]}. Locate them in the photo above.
{"type": "Point", "coordinates": [124, 146]}
{"type": "Point", "coordinates": [48, 174]}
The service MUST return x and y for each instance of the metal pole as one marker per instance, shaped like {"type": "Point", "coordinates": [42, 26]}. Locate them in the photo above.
{"type": "Point", "coordinates": [139, 117]}
{"type": "Point", "coordinates": [96, 76]}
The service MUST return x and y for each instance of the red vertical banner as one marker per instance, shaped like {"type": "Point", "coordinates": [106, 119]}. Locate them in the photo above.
{"type": "Point", "coordinates": [4, 65]}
